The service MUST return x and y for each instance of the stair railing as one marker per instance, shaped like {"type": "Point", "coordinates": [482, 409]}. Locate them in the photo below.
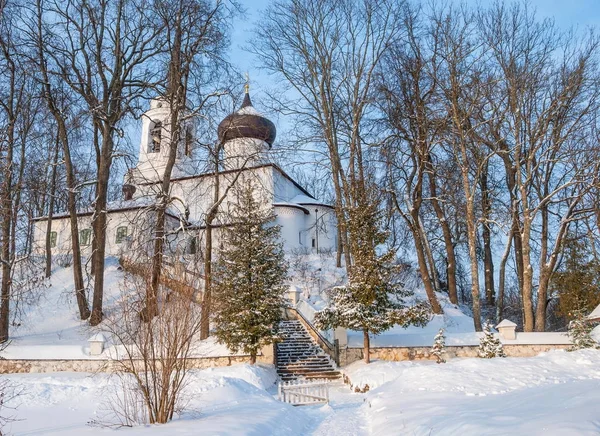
{"type": "Point", "coordinates": [332, 349]}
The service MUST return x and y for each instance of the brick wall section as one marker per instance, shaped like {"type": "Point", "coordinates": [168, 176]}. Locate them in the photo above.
{"type": "Point", "coordinates": [397, 354]}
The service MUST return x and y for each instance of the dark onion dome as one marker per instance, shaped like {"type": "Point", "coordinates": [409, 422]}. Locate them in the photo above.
{"type": "Point", "coordinates": [247, 122]}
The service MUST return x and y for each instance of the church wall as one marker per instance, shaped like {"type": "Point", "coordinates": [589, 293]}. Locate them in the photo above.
{"type": "Point", "coordinates": [283, 189]}
{"type": "Point", "coordinates": [293, 224]}
{"type": "Point", "coordinates": [137, 224]}
{"type": "Point", "coordinates": [199, 192]}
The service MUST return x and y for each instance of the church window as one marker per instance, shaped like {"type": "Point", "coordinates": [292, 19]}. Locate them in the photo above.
{"type": "Point", "coordinates": [53, 237]}
{"type": "Point", "coordinates": [300, 238]}
{"type": "Point", "coordinates": [314, 243]}
{"type": "Point", "coordinates": [121, 234]}
{"type": "Point", "coordinates": [155, 137]}
{"type": "Point", "coordinates": [85, 237]}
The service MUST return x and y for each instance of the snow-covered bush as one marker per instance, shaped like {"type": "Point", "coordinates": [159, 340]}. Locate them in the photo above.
{"type": "Point", "coordinates": [439, 346]}
{"type": "Point", "coordinates": [580, 332]}
{"type": "Point", "coordinates": [490, 346]}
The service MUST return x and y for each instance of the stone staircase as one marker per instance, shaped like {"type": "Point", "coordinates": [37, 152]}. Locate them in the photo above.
{"type": "Point", "coordinates": [298, 356]}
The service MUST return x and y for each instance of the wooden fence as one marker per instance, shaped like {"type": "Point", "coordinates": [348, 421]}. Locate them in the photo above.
{"type": "Point", "coordinates": [304, 392]}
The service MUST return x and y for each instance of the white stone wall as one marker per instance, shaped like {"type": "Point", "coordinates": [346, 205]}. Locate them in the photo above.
{"type": "Point", "coordinates": [138, 223]}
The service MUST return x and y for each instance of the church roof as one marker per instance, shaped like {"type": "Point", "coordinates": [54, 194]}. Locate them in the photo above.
{"type": "Point", "coordinates": [307, 195]}
{"type": "Point", "coordinates": [113, 207]}
{"type": "Point", "coordinates": [247, 122]}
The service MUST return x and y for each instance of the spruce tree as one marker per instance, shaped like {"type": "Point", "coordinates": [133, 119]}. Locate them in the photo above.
{"type": "Point", "coordinates": [439, 346]}
{"type": "Point", "coordinates": [577, 281]}
{"type": "Point", "coordinates": [372, 301]}
{"type": "Point", "coordinates": [580, 332]}
{"type": "Point", "coordinates": [249, 277]}
{"type": "Point", "coordinates": [489, 345]}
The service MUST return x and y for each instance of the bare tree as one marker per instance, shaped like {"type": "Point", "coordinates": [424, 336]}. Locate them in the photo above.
{"type": "Point", "coordinates": [326, 54]}
{"type": "Point", "coordinates": [153, 357]}
{"type": "Point", "coordinates": [542, 123]}
{"type": "Point", "coordinates": [195, 37]}
{"type": "Point", "coordinates": [408, 99]}
{"type": "Point", "coordinates": [103, 51]}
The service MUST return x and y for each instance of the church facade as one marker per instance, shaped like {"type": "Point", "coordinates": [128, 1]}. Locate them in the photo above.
{"type": "Point", "coordinates": [307, 224]}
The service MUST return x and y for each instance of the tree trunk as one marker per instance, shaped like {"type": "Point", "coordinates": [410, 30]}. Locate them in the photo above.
{"type": "Point", "coordinates": [5, 227]}
{"type": "Point", "coordinates": [422, 262]}
{"type": "Point", "coordinates": [448, 244]}
{"type": "Point", "coordinates": [99, 226]}
{"type": "Point", "coordinates": [488, 262]}
{"type": "Point", "coordinates": [206, 296]}
{"type": "Point", "coordinates": [51, 209]}
{"type": "Point", "coordinates": [253, 358]}
{"type": "Point", "coordinates": [366, 346]}
{"type": "Point", "coordinates": [501, 279]}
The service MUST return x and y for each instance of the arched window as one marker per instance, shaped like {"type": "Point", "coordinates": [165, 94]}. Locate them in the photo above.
{"type": "Point", "coordinates": [155, 137]}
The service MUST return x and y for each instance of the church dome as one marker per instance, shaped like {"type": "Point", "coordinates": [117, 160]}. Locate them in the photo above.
{"type": "Point", "coordinates": [247, 122]}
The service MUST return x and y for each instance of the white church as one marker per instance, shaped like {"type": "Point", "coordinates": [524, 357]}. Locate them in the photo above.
{"type": "Point", "coordinates": [307, 224]}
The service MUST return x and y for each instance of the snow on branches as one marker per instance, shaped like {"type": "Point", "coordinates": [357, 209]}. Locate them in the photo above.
{"type": "Point", "coordinates": [249, 277]}
{"type": "Point", "coordinates": [372, 301]}
{"type": "Point", "coordinates": [489, 345]}
{"type": "Point", "coordinates": [439, 346]}
{"type": "Point", "coordinates": [580, 332]}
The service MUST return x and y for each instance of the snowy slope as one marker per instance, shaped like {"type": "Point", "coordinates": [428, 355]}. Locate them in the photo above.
{"type": "Point", "coordinates": [231, 400]}
{"type": "Point", "coordinates": [51, 329]}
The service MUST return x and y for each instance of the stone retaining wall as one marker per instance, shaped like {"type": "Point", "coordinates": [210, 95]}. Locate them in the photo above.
{"type": "Point", "coordinates": [24, 366]}
{"type": "Point", "coordinates": [396, 354]}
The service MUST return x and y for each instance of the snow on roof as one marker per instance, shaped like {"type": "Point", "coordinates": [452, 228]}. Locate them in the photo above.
{"type": "Point", "coordinates": [305, 199]}
{"type": "Point", "coordinates": [98, 337]}
{"type": "Point", "coordinates": [506, 323]}
{"type": "Point", "coordinates": [595, 315]}
{"type": "Point", "coordinates": [290, 204]}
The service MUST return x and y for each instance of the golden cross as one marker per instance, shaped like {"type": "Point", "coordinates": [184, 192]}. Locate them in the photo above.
{"type": "Point", "coordinates": [247, 85]}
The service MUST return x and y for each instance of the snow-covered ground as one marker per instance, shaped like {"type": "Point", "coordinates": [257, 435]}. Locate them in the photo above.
{"type": "Point", "coordinates": [555, 393]}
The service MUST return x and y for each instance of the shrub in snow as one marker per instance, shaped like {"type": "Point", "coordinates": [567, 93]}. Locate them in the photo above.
{"type": "Point", "coordinates": [249, 277]}
{"type": "Point", "coordinates": [439, 346]}
{"type": "Point", "coordinates": [490, 346]}
{"type": "Point", "coordinates": [372, 301]}
{"type": "Point", "coordinates": [580, 332]}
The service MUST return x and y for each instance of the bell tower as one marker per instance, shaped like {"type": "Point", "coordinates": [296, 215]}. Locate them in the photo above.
{"type": "Point", "coordinates": [155, 146]}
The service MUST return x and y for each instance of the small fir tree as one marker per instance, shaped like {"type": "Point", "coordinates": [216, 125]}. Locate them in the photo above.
{"type": "Point", "coordinates": [439, 346]}
{"type": "Point", "coordinates": [249, 277]}
{"type": "Point", "coordinates": [489, 345]}
{"type": "Point", "coordinates": [580, 332]}
{"type": "Point", "coordinates": [372, 301]}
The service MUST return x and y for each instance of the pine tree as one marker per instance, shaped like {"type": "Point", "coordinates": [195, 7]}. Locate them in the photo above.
{"type": "Point", "coordinates": [577, 282]}
{"type": "Point", "coordinates": [439, 346]}
{"type": "Point", "coordinates": [490, 346]}
{"type": "Point", "coordinates": [372, 301]}
{"type": "Point", "coordinates": [580, 330]}
{"type": "Point", "coordinates": [249, 277]}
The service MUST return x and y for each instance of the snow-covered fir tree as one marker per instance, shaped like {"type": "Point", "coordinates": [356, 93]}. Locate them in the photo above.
{"type": "Point", "coordinates": [489, 345]}
{"type": "Point", "coordinates": [372, 301]}
{"type": "Point", "coordinates": [580, 332]}
{"type": "Point", "coordinates": [249, 277]}
{"type": "Point", "coordinates": [439, 346]}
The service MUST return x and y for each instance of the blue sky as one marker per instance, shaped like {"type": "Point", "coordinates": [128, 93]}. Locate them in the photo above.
{"type": "Point", "coordinates": [581, 13]}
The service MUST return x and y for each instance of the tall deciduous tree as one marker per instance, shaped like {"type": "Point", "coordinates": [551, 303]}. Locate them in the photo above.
{"type": "Point", "coordinates": [195, 37]}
